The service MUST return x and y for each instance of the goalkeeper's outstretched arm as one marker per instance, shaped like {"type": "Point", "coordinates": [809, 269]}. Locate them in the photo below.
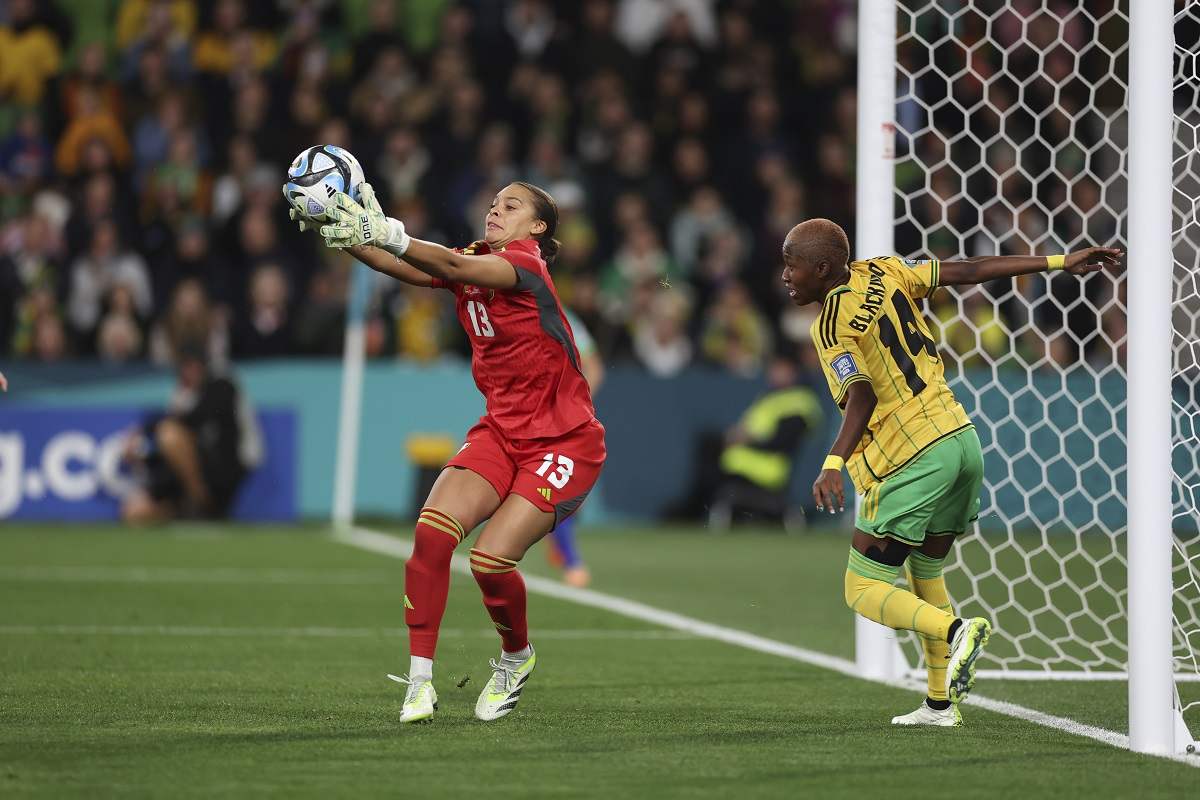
{"type": "Point", "coordinates": [437, 261]}
{"type": "Point", "coordinates": [988, 268]}
{"type": "Point", "coordinates": [381, 260]}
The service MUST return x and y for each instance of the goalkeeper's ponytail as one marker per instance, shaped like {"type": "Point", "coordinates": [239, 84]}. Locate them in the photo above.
{"type": "Point", "coordinates": [549, 247]}
{"type": "Point", "coordinates": [546, 210]}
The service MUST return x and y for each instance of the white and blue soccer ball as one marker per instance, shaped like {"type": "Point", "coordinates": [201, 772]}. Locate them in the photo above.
{"type": "Point", "coordinates": [317, 175]}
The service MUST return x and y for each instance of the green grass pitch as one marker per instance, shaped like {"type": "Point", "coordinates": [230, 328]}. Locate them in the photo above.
{"type": "Point", "coordinates": [202, 661]}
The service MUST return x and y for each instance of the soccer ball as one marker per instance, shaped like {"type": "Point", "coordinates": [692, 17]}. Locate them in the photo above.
{"type": "Point", "coordinates": [317, 174]}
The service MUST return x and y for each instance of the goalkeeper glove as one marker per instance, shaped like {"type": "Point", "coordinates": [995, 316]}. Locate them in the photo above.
{"type": "Point", "coordinates": [355, 224]}
{"type": "Point", "coordinates": [304, 222]}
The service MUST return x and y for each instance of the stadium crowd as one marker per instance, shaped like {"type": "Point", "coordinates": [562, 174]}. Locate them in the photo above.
{"type": "Point", "coordinates": [143, 144]}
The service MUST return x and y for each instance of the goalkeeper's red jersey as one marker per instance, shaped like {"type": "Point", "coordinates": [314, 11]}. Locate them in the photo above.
{"type": "Point", "coordinates": [523, 353]}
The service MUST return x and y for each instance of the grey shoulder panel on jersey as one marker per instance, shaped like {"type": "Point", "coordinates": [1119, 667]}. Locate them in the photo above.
{"type": "Point", "coordinates": [548, 312]}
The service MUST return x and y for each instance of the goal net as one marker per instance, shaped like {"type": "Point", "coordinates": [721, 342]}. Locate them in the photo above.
{"type": "Point", "coordinates": [1011, 131]}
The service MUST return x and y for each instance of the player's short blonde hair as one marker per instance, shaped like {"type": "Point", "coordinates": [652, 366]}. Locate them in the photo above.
{"type": "Point", "coordinates": [817, 240]}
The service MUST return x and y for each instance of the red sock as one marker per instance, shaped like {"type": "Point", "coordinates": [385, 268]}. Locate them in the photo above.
{"type": "Point", "coordinates": [503, 596]}
{"type": "Point", "coordinates": [427, 579]}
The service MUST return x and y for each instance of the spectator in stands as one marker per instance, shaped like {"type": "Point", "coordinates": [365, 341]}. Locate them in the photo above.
{"type": "Point", "coordinates": [218, 48]}
{"type": "Point", "coordinates": [191, 257]}
{"type": "Point", "coordinates": [264, 331]}
{"type": "Point", "coordinates": [258, 243]}
{"type": "Point", "coordinates": [640, 261]}
{"type": "Point", "coordinates": [165, 25]}
{"type": "Point", "coordinates": [598, 47]}
{"type": "Point", "coordinates": [91, 125]}
{"type": "Point", "coordinates": [94, 276]}
{"type": "Point", "coordinates": [379, 36]}
{"type": "Point", "coordinates": [321, 318]}
{"type": "Point", "coordinates": [190, 319]}
{"type": "Point", "coordinates": [25, 158]}
{"type": "Point", "coordinates": [32, 42]}
{"type": "Point", "coordinates": [91, 73]}
{"type": "Point", "coordinates": [660, 339]}
{"type": "Point", "coordinates": [701, 219]}
{"type": "Point", "coordinates": [191, 461]}
{"type": "Point", "coordinates": [404, 165]}
{"type": "Point", "coordinates": [49, 338]}
{"type": "Point", "coordinates": [30, 278]}
{"type": "Point", "coordinates": [419, 320]}
{"type": "Point", "coordinates": [736, 334]}
{"type": "Point", "coordinates": [153, 132]}
{"type": "Point", "coordinates": [240, 162]}
{"type": "Point", "coordinates": [118, 337]}
{"type": "Point", "coordinates": [182, 176]}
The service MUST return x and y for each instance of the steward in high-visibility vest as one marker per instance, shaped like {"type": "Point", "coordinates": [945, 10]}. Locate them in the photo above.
{"type": "Point", "coordinates": [764, 443]}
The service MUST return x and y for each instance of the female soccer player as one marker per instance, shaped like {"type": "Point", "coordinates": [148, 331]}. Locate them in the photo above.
{"type": "Point", "coordinates": [906, 442]}
{"type": "Point", "coordinates": [533, 457]}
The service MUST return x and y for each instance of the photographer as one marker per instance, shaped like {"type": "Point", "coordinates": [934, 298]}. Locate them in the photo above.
{"type": "Point", "coordinates": [191, 461]}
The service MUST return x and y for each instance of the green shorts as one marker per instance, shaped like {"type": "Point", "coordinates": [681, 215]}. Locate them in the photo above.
{"type": "Point", "coordinates": [936, 494]}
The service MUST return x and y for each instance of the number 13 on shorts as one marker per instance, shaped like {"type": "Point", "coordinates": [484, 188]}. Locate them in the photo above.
{"type": "Point", "coordinates": [562, 473]}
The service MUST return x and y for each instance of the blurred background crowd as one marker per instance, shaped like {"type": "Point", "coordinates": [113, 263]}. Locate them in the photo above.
{"type": "Point", "coordinates": [143, 144]}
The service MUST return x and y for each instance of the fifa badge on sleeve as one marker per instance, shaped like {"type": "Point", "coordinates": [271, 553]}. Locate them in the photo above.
{"type": "Point", "coordinates": [844, 366]}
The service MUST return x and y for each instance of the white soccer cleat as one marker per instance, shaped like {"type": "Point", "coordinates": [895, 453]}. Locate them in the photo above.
{"type": "Point", "coordinates": [968, 643]}
{"type": "Point", "coordinates": [503, 690]}
{"type": "Point", "coordinates": [948, 717]}
{"type": "Point", "coordinates": [420, 699]}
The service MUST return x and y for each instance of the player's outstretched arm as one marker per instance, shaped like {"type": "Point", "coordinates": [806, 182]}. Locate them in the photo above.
{"type": "Point", "coordinates": [357, 224]}
{"type": "Point", "coordinates": [383, 261]}
{"type": "Point", "coordinates": [860, 404]}
{"type": "Point", "coordinates": [487, 271]}
{"type": "Point", "coordinates": [988, 268]}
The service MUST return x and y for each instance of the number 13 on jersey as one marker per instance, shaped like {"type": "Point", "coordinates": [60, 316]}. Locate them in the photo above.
{"type": "Point", "coordinates": [558, 479]}
{"type": "Point", "coordinates": [479, 319]}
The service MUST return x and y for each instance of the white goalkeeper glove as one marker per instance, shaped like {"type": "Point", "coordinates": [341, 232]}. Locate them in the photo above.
{"type": "Point", "coordinates": [355, 224]}
{"type": "Point", "coordinates": [304, 222]}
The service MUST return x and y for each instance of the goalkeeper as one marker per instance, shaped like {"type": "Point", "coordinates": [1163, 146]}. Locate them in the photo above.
{"type": "Point", "coordinates": [907, 443]}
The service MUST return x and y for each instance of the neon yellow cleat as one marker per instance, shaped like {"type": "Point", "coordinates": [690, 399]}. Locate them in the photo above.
{"type": "Point", "coordinates": [503, 690]}
{"type": "Point", "coordinates": [924, 715]}
{"type": "Point", "coordinates": [968, 643]}
{"type": "Point", "coordinates": [420, 700]}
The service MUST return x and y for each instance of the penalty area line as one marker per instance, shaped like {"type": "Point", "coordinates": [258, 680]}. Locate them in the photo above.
{"type": "Point", "coordinates": [396, 547]}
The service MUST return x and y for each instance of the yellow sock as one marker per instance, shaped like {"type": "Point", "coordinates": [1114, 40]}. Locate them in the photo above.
{"type": "Point", "coordinates": [869, 591]}
{"type": "Point", "coordinates": [925, 576]}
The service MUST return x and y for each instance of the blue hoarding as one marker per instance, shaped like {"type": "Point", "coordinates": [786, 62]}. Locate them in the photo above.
{"type": "Point", "coordinates": [64, 463]}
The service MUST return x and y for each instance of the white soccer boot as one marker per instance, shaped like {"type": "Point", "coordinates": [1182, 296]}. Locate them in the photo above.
{"type": "Point", "coordinates": [968, 643]}
{"type": "Point", "coordinates": [503, 690]}
{"type": "Point", "coordinates": [948, 717]}
{"type": "Point", "coordinates": [420, 699]}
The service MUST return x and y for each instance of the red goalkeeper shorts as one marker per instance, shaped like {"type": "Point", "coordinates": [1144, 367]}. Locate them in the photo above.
{"type": "Point", "coordinates": [555, 474]}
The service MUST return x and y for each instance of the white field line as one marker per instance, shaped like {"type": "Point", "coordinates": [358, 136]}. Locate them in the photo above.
{"type": "Point", "coordinates": [1062, 675]}
{"type": "Point", "coordinates": [228, 575]}
{"type": "Point", "coordinates": [384, 544]}
{"type": "Point", "coordinates": [652, 634]}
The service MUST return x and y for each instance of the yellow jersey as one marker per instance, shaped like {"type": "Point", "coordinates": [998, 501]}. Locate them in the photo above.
{"type": "Point", "coordinates": [870, 329]}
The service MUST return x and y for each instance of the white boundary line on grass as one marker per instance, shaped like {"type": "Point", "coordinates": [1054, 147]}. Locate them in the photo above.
{"type": "Point", "coordinates": [320, 632]}
{"type": "Point", "coordinates": [394, 546]}
{"type": "Point", "coordinates": [224, 575]}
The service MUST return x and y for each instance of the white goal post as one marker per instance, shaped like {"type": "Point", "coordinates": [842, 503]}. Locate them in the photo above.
{"type": "Point", "coordinates": [1034, 126]}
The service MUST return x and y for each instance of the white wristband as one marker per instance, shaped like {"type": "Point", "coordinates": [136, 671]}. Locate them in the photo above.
{"type": "Point", "coordinates": [397, 240]}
